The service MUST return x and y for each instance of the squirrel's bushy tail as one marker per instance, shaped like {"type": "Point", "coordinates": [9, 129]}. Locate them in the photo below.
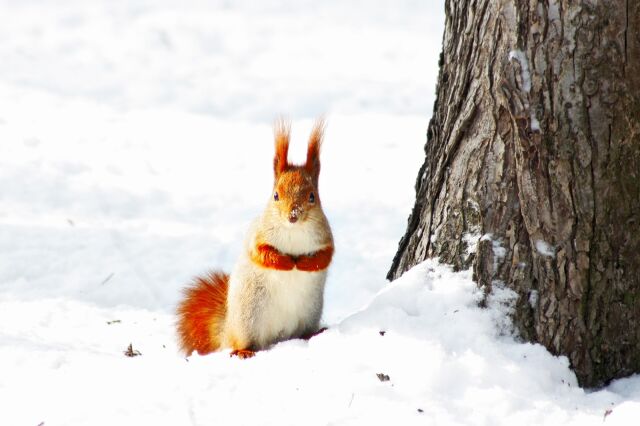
{"type": "Point", "coordinates": [202, 312]}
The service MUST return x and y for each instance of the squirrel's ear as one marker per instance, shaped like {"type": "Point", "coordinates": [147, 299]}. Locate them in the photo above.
{"type": "Point", "coordinates": [281, 130]}
{"type": "Point", "coordinates": [313, 150]}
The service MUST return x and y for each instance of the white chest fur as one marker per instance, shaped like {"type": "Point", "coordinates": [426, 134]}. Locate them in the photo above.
{"type": "Point", "coordinates": [297, 239]}
{"type": "Point", "coordinates": [294, 304]}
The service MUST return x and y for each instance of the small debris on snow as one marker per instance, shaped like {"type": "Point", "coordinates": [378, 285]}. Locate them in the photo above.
{"type": "Point", "coordinates": [420, 410]}
{"type": "Point", "coordinates": [383, 377]}
{"type": "Point", "coordinates": [106, 280]}
{"type": "Point", "coordinates": [130, 352]}
{"type": "Point", "coordinates": [382, 332]}
{"type": "Point", "coordinates": [114, 322]}
{"type": "Point", "coordinates": [606, 413]}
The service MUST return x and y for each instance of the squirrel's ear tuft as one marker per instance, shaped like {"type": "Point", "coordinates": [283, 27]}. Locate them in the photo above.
{"type": "Point", "coordinates": [313, 150]}
{"type": "Point", "coordinates": [281, 130]}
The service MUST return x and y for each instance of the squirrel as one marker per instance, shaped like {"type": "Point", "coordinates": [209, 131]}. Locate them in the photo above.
{"type": "Point", "coordinates": [275, 291]}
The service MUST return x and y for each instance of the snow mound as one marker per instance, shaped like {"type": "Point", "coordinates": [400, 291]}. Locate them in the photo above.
{"type": "Point", "coordinates": [421, 351]}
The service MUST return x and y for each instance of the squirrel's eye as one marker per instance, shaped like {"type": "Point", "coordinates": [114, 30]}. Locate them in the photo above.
{"type": "Point", "coordinates": [312, 198]}
{"type": "Point", "coordinates": [275, 196]}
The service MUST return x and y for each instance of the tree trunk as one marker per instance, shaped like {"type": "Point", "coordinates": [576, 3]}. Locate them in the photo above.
{"type": "Point", "coordinates": [532, 171]}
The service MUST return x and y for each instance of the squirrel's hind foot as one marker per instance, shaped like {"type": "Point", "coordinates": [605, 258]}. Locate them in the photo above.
{"type": "Point", "coordinates": [242, 353]}
{"type": "Point", "coordinates": [313, 334]}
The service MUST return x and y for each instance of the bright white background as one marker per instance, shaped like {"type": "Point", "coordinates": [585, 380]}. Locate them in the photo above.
{"type": "Point", "coordinates": [135, 147]}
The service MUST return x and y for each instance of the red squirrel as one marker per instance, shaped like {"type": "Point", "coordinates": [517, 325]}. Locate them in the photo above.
{"type": "Point", "coordinates": [275, 292]}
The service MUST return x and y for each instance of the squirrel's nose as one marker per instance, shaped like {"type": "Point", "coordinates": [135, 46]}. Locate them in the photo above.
{"type": "Point", "coordinates": [294, 214]}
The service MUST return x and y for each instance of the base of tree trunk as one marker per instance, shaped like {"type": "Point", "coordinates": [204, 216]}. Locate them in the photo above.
{"type": "Point", "coordinates": [532, 171]}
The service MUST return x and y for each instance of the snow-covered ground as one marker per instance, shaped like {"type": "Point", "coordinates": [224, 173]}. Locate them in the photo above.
{"type": "Point", "coordinates": [135, 147]}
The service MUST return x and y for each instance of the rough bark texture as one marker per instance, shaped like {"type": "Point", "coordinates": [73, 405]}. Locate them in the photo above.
{"type": "Point", "coordinates": [532, 171]}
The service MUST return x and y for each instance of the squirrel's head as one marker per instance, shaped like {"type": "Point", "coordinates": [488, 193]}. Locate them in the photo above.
{"type": "Point", "coordinates": [295, 190]}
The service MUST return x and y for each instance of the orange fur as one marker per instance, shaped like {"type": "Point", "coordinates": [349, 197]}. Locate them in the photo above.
{"type": "Point", "coordinates": [315, 262]}
{"type": "Point", "coordinates": [294, 188]}
{"type": "Point", "coordinates": [201, 314]}
{"type": "Point", "coordinates": [242, 353]}
{"type": "Point", "coordinates": [313, 150]}
{"type": "Point", "coordinates": [282, 130]}
{"type": "Point", "coordinates": [268, 257]}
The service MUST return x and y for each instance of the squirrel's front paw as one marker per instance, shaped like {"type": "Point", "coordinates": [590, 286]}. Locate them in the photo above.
{"type": "Point", "coordinates": [268, 257]}
{"type": "Point", "coordinates": [307, 263]}
{"type": "Point", "coordinates": [315, 262]}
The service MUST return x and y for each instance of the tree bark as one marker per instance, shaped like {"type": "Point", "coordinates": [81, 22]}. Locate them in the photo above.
{"type": "Point", "coordinates": [532, 171]}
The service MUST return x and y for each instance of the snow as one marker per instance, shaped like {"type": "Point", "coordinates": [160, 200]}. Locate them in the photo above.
{"type": "Point", "coordinates": [499, 252]}
{"type": "Point", "coordinates": [535, 124]}
{"type": "Point", "coordinates": [136, 146]}
{"type": "Point", "coordinates": [545, 248]}
{"type": "Point", "coordinates": [521, 57]}
{"type": "Point", "coordinates": [471, 241]}
{"type": "Point", "coordinates": [554, 11]}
